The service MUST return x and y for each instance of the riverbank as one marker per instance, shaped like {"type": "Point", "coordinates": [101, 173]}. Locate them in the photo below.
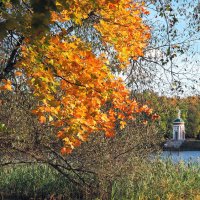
{"type": "Point", "coordinates": [187, 145]}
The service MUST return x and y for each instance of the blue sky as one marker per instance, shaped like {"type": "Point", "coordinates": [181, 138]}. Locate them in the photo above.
{"type": "Point", "coordinates": [185, 66]}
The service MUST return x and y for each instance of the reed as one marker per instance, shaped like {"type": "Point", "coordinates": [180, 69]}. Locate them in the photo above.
{"type": "Point", "coordinates": [152, 180]}
{"type": "Point", "coordinates": [160, 180]}
{"type": "Point", "coordinates": [35, 181]}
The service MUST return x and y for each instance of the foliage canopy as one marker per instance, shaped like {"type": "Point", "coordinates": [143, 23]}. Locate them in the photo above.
{"type": "Point", "coordinates": [72, 81]}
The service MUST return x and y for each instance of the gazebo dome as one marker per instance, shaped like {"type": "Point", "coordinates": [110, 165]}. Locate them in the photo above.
{"type": "Point", "coordinates": [178, 120]}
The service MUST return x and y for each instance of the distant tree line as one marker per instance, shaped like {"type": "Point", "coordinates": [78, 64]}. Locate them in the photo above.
{"type": "Point", "coordinates": [167, 108]}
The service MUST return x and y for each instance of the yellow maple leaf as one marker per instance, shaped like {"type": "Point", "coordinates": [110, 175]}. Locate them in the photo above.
{"type": "Point", "coordinates": [122, 124]}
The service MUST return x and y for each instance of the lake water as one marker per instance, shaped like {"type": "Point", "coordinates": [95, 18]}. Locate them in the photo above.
{"type": "Point", "coordinates": [187, 156]}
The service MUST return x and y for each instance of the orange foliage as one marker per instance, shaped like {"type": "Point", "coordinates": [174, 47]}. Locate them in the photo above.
{"type": "Point", "coordinates": [75, 89]}
{"type": "Point", "coordinates": [6, 85]}
{"type": "Point", "coordinates": [18, 73]}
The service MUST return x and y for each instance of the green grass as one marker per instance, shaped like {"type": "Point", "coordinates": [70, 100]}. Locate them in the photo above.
{"type": "Point", "coordinates": [151, 181]}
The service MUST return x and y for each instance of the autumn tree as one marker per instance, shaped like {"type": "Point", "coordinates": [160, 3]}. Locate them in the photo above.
{"type": "Point", "coordinates": [70, 79]}
{"type": "Point", "coordinates": [59, 88]}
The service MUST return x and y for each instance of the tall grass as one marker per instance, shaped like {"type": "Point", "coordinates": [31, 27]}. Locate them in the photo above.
{"type": "Point", "coordinates": [34, 181]}
{"type": "Point", "coordinates": [150, 181]}
{"type": "Point", "coordinates": [160, 180]}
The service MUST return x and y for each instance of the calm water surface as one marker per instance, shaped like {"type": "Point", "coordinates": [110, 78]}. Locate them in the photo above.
{"type": "Point", "coordinates": [187, 156]}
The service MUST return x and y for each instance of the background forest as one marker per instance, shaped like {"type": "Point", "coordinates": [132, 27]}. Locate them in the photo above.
{"type": "Point", "coordinates": [167, 108]}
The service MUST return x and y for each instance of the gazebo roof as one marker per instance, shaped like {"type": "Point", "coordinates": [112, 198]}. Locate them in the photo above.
{"type": "Point", "coordinates": [178, 120]}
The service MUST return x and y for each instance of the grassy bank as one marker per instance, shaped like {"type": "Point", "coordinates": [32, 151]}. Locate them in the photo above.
{"type": "Point", "coordinates": [151, 181]}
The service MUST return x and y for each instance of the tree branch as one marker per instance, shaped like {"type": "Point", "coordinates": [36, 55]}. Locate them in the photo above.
{"type": "Point", "coordinates": [11, 61]}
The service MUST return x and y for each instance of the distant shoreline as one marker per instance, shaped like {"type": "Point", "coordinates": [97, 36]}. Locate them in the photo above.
{"type": "Point", "coordinates": [188, 145]}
